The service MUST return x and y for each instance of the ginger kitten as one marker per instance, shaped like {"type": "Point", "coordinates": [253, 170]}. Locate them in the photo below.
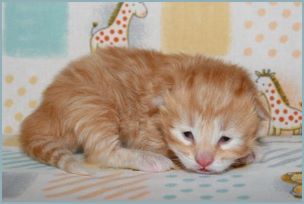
{"type": "Point", "coordinates": [144, 110]}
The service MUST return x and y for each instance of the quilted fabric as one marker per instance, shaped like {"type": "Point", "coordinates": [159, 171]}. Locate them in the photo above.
{"type": "Point", "coordinates": [28, 180]}
{"type": "Point", "coordinates": [264, 37]}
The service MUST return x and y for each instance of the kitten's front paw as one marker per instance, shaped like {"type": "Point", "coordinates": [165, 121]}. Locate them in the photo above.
{"type": "Point", "coordinates": [250, 158]}
{"type": "Point", "coordinates": [153, 162]}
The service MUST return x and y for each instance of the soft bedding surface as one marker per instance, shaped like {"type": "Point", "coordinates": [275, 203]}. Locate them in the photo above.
{"type": "Point", "coordinates": [27, 180]}
{"type": "Point", "coordinates": [264, 37]}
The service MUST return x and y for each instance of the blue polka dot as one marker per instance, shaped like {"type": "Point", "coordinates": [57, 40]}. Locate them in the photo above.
{"type": "Point", "coordinates": [205, 185]}
{"type": "Point", "coordinates": [236, 175]}
{"type": "Point", "coordinates": [238, 185]}
{"type": "Point", "coordinates": [222, 180]}
{"type": "Point", "coordinates": [222, 190]}
{"type": "Point", "coordinates": [169, 197]}
{"type": "Point", "coordinates": [243, 197]}
{"type": "Point", "coordinates": [206, 197]}
{"type": "Point", "coordinates": [188, 179]}
{"type": "Point", "coordinates": [170, 185]}
{"type": "Point", "coordinates": [171, 176]}
{"type": "Point", "coordinates": [187, 190]}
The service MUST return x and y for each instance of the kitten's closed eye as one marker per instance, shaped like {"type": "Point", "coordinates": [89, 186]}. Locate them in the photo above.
{"type": "Point", "coordinates": [188, 135]}
{"type": "Point", "coordinates": [224, 139]}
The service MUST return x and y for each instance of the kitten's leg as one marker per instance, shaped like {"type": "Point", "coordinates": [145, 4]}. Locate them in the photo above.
{"type": "Point", "coordinates": [98, 134]}
{"type": "Point", "coordinates": [119, 157]}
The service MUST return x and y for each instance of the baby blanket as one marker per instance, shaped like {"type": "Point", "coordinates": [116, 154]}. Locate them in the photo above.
{"type": "Point", "coordinates": [264, 37]}
{"type": "Point", "coordinates": [28, 180]}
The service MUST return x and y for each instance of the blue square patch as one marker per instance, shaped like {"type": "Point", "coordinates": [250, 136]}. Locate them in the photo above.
{"type": "Point", "coordinates": [35, 29]}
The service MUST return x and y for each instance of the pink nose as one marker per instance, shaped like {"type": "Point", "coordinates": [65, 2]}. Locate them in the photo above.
{"type": "Point", "coordinates": [204, 158]}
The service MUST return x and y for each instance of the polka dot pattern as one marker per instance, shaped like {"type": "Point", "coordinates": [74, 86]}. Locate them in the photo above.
{"type": "Point", "coordinates": [206, 197]}
{"type": "Point", "coordinates": [259, 38]}
{"type": "Point", "coordinates": [8, 130]}
{"type": "Point", "coordinates": [248, 24]}
{"type": "Point", "coordinates": [204, 176]}
{"type": "Point", "coordinates": [261, 12]}
{"type": "Point", "coordinates": [223, 190]}
{"type": "Point", "coordinates": [204, 187]}
{"type": "Point", "coordinates": [238, 185]}
{"type": "Point", "coordinates": [188, 180]}
{"type": "Point", "coordinates": [248, 51]}
{"type": "Point", "coordinates": [296, 53]}
{"type": "Point", "coordinates": [19, 116]}
{"type": "Point", "coordinates": [21, 91]}
{"type": "Point", "coordinates": [170, 185]}
{"type": "Point", "coordinates": [283, 39]}
{"type": "Point", "coordinates": [33, 80]}
{"type": "Point", "coordinates": [286, 13]}
{"type": "Point", "coordinates": [272, 53]}
{"type": "Point", "coordinates": [20, 98]}
{"type": "Point", "coordinates": [236, 175]}
{"type": "Point", "coordinates": [273, 25]}
{"type": "Point", "coordinates": [8, 103]}
{"type": "Point", "coordinates": [32, 104]}
{"type": "Point", "coordinates": [296, 26]}
{"type": "Point", "coordinates": [222, 180]}
{"type": "Point", "coordinates": [171, 176]}
{"type": "Point", "coordinates": [9, 79]}
{"type": "Point", "coordinates": [269, 30]}
{"type": "Point", "coordinates": [187, 190]}
{"type": "Point", "coordinates": [243, 197]}
{"type": "Point", "coordinates": [276, 24]}
{"type": "Point", "coordinates": [267, 35]}
{"type": "Point", "coordinates": [169, 197]}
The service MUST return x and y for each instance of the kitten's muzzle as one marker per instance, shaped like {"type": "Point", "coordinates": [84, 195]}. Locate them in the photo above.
{"type": "Point", "coordinates": [204, 159]}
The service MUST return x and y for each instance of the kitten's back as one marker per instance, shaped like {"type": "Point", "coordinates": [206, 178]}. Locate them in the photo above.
{"type": "Point", "coordinates": [48, 134]}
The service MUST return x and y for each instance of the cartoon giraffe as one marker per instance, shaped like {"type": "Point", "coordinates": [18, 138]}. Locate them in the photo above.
{"type": "Point", "coordinates": [116, 34]}
{"type": "Point", "coordinates": [283, 116]}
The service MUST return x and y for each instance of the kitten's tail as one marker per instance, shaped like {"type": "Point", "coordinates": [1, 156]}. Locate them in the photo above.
{"type": "Point", "coordinates": [53, 153]}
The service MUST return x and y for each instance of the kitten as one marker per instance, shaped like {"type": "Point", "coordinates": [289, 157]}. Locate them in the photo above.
{"type": "Point", "coordinates": [144, 110]}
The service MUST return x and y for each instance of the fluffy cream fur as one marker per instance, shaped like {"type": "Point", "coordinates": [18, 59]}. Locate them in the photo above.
{"type": "Point", "coordinates": [129, 108]}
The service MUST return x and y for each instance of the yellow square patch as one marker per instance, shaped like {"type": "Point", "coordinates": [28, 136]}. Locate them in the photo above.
{"type": "Point", "coordinates": [199, 27]}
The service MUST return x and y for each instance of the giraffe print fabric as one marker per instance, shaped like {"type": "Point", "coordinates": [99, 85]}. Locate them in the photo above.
{"type": "Point", "coordinates": [264, 37]}
{"type": "Point", "coordinates": [283, 116]}
{"type": "Point", "coordinates": [255, 35]}
{"type": "Point", "coordinates": [116, 34]}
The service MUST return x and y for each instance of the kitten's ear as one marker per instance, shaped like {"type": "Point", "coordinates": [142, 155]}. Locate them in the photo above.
{"type": "Point", "coordinates": [261, 110]}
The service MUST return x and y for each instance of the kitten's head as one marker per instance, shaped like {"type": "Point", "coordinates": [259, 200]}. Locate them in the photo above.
{"type": "Point", "coordinates": [211, 115]}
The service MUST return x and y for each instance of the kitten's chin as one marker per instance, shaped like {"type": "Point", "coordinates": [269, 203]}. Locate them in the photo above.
{"type": "Point", "coordinates": [218, 166]}
{"type": "Point", "coordinates": [204, 171]}
{"type": "Point", "coordinates": [213, 169]}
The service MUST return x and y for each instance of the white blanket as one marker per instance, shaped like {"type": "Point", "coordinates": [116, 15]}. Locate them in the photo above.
{"type": "Point", "coordinates": [27, 180]}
